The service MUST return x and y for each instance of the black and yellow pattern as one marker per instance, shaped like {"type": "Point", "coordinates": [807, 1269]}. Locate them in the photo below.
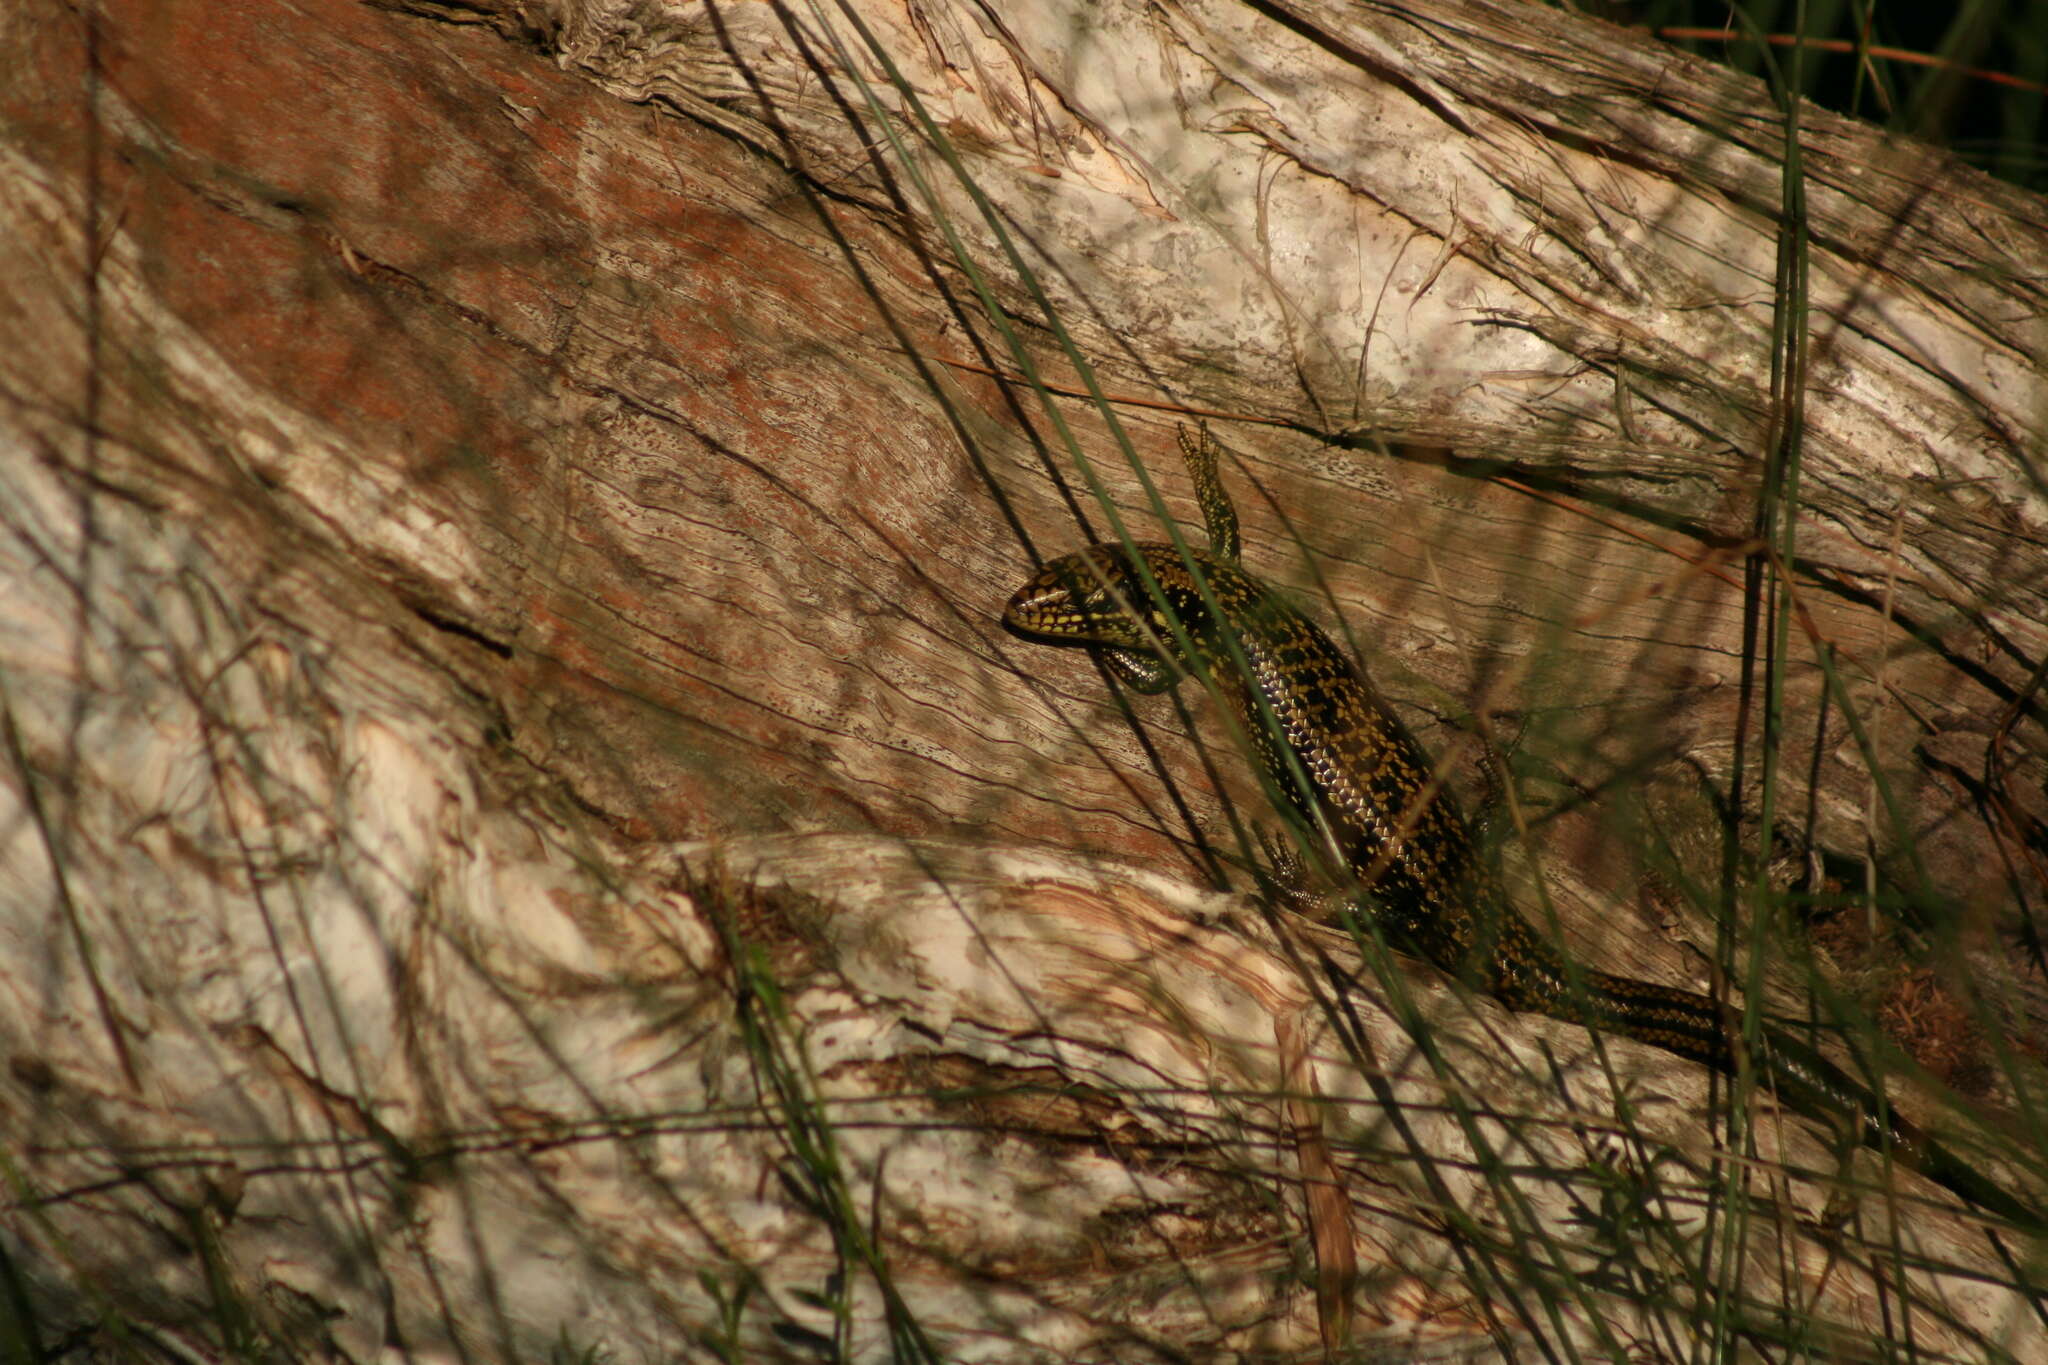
{"type": "Point", "coordinates": [1337, 754]}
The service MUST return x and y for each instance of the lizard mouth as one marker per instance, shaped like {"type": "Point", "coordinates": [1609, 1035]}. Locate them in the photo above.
{"type": "Point", "coordinates": [1046, 611]}
{"type": "Point", "coordinates": [1055, 603]}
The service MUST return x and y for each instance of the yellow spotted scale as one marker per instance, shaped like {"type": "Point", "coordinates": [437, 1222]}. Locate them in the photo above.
{"type": "Point", "coordinates": [1336, 753]}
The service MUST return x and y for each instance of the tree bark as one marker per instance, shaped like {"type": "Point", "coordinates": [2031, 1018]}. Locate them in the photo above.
{"type": "Point", "coordinates": [522, 831]}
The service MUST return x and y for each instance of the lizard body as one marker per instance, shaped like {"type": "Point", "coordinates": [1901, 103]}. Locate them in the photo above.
{"type": "Point", "coordinates": [1338, 755]}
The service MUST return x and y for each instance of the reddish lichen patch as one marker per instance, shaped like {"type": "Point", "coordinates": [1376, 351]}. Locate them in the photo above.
{"type": "Point", "coordinates": [1937, 1030]}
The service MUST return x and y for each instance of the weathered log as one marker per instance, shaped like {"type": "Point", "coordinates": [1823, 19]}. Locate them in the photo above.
{"type": "Point", "coordinates": [503, 509]}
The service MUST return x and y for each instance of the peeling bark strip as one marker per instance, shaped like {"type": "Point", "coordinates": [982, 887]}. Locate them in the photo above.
{"type": "Point", "coordinates": [484, 532]}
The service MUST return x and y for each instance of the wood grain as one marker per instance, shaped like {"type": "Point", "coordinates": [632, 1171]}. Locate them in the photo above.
{"type": "Point", "coordinates": [470, 473]}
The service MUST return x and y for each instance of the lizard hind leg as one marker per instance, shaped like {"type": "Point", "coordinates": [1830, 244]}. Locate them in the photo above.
{"type": "Point", "coordinates": [1292, 884]}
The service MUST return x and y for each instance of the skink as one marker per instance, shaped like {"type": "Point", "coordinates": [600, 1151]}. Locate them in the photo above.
{"type": "Point", "coordinates": [1337, 754]}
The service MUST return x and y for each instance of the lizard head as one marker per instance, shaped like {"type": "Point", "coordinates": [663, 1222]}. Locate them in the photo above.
{"type": "Point", "coordinates": [1096, 597]}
